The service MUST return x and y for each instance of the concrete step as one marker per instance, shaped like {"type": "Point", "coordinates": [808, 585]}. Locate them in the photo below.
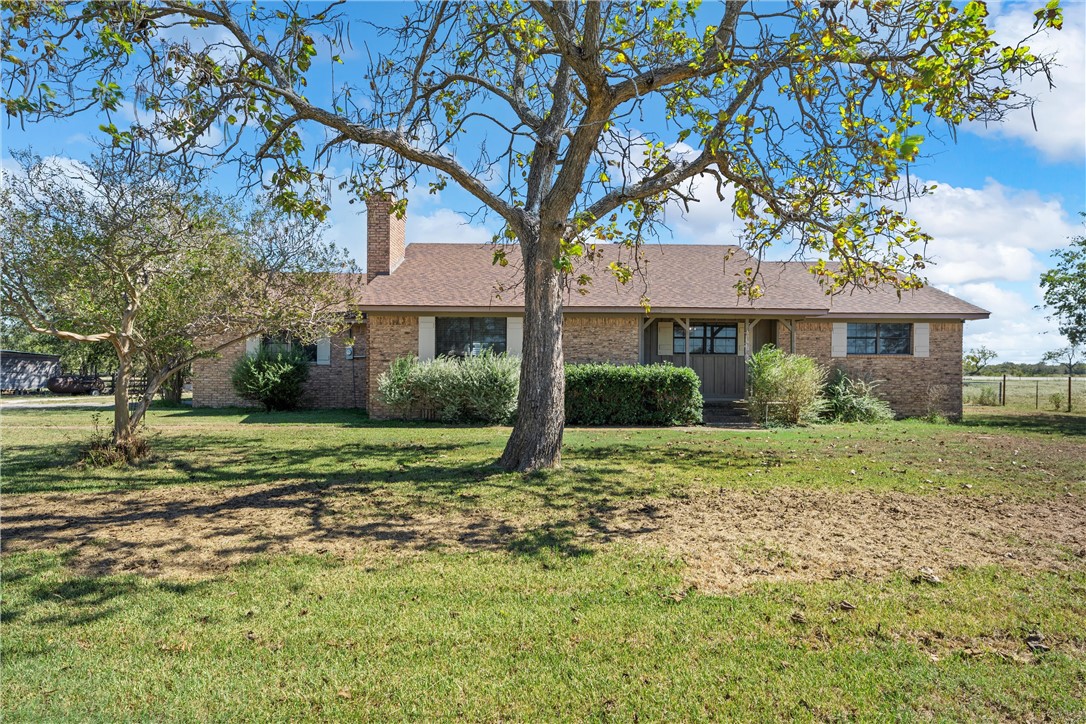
{"type": "Point", "coordinates": [729, 413]}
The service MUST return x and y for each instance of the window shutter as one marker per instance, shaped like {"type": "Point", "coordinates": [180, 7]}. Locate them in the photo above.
{"type": "Point", "coordinates": [427, 338]}
{"type": "Point", "coordinates": [514, 336]}
{"type": "Point", "coordinates": [741, 340]}
{"type": "Point", "coordinates": [324, 351]}
{"type": "Point", "coordinates": [252, 345]}
{"type": "Point", "coordinates": [665, 338]}
{"type": "Point", "coordinates": [839, 343]}
{"type": "Point", "coordinates": [921, 340]}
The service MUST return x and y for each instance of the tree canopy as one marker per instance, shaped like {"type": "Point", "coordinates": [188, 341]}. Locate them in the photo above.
{"type": "Point", "coordinates": [1064, 288]}
{"type": "Point", "coordinates": [132, 256]}
{"type": "Point", "coordinates": [573, 123]}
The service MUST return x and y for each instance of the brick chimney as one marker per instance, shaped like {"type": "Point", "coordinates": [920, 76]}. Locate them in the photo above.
{"type": "Point", "coordinates": [384, 236]}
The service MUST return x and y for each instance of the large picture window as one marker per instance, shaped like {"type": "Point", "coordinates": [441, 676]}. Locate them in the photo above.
{"type": "Point", "coordinates": [469, 336]}
{"type": "Point", "coordinates": [708, 339]}
{"type": "Point", "coordinates": [871, 338]}
{"type": "Point", "coordinates": [284, 343]}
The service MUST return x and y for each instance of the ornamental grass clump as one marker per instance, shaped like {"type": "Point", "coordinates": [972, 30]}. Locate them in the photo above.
{"type": "Point", "coordinates": [851, 400]}
{"type": "Point", "coordinates": [784, 389]}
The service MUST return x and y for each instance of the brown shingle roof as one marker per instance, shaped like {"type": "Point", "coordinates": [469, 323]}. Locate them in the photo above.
{"type": "Point", "coordinates": [693, 279]}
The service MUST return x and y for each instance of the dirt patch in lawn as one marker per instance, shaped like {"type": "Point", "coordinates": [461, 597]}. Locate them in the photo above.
{"type": "Point", "coordinates": [732, 539]}
{"type": "Point", "coordinates": [727, 540]}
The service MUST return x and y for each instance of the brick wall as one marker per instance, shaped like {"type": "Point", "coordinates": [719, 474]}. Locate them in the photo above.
{"type": "Point", "coordinates": [601, 338]}
{"type": "Point", "coordinates": [211, 379]}
{"type": "Point", "coordinates": [339, 384]}
{"type": "Point", "coordinates": [389, 337]}
{"type": "Point", "coordinates": [912, 385]}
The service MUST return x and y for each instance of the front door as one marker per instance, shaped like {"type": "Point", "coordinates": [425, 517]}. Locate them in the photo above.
{"type": "Point", "coordinates": [716, 354]}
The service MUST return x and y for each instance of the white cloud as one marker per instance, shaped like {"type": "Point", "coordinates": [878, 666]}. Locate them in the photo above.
{"type": "Point", "coordinates": [1060, 112]}
{"type": "Point", "coordinates": [990, 233]}
{"type": "Point", "coordinates": [1017, 330]}
{"type": "Point", "coordinates": [710, 221]}
{"type": "Point", "coordinates": [990, 246]}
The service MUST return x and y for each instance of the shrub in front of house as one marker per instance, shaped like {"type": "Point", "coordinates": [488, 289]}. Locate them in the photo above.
{"type": "Point", "coordinates": [784, 389]}
{"type": "Point", "coordinates": [605, 394]}
{"type": "Point", "coordinates": [274, 379]}
{"type": "Point", "coordinates": [849, 400]}
{"type": "Point", "coordinates": [482, 388]}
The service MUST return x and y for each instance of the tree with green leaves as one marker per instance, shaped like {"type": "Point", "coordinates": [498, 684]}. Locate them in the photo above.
{"type": "Point", "coordinates": [133, 256]}
{"type": "Point", "coordinates": [572, 123]}
{"type": "Point", "coordinates": [976, 359]}
{"type": "Point", "coordinates": [74, 357]}
{"type": "Point", "coordinates": [1064, 288]}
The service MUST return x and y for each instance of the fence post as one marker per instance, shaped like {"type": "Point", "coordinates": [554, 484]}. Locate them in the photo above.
{"type": "Point", "coordinates": [1004, 400]}
{"type": "Point", "coordinates": [1037, 400]}
{"type": "Point", "coordinates": [1068, 390]}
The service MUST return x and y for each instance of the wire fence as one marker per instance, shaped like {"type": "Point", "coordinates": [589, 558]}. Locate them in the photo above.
{"type": "Point", "coordinates": [1026, 393]}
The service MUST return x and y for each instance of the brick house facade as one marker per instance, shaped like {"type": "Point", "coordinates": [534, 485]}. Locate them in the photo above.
{"type": "Point", "coordinates": [339, 383]}
{"type": "Point", "coordinates": [418, 295]}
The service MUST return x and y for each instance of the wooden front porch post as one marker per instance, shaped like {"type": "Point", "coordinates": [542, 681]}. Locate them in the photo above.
{"type": "Point", "coordinates": [686, 330]}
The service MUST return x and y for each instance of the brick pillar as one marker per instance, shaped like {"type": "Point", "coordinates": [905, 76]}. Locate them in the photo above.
{"type": "Point", "coordinates": [385, 239]}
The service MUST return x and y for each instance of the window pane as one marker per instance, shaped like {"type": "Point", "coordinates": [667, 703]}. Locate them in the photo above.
{"type": "Point", "coordinates": [488, 333]}
{"type": "Point", "coordinates": [895, 338]}
{"type": "Point", "coordinates": [309, 351]}
{"type": "Point", "coordinates": [452, 336]}
{"type": "Point", "coordinates": [862, 338]}
{"type": "Point", "coordinates": [856, 329]}
{"type": "Point", "coordinates": [861, 345]}
{"type": "Point", "coordinates": [276, 344]}
{"type": "Point", "coordinates": [725, 339]}
{"type": "Point", "coordinates": [697, 339]}
{"type": "Point", "coordinates": [678, 340]}
{"type": "Point", "coordinates": [462, 336]}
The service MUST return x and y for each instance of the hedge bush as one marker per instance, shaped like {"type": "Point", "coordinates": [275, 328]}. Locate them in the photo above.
{"type": "Point", "coordinates": [849, 400]}
{"type": "Point", "coordinates": [482, 388]}
{"type": "Point", "coordinates": [794, 382]}
{"type": "Point", "coordinates": [604, 394]}
{"type": "Point", "coordinates": [276, 380]}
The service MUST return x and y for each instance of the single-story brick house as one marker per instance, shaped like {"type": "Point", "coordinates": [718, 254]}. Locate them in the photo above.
{"type": "Point", "coordinates": [426, 299]}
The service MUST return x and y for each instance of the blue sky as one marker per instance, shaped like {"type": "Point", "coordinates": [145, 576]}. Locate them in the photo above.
{"type": "Point", "coordinates": [1007, 195]}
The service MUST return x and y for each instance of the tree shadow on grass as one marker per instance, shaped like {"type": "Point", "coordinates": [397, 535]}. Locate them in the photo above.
{"type": "Point", "coordinates": [1042, 422]}
{"type": "Point", "coordinates": [410, 497]}
{"type": "Point", "coordinates": [76, 600]}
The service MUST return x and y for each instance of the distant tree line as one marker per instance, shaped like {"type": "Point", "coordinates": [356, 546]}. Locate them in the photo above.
{"type": "Point", "coordinates": [1026, 369]}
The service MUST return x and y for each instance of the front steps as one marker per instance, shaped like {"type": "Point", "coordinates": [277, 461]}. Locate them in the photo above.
{"type": "Point", "coordinates": [727, 413]}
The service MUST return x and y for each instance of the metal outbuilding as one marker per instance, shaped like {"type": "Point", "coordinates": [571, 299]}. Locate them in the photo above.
{"type": "Point", "coordinates": [22, 371]}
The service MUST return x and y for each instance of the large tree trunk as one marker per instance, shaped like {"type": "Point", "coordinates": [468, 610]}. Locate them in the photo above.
{"type": "Point", "coordinates": [122, 422]}
{"type": "Point", "coordinates": [174, 386]}
{"type": "Point", "coordinates": [536, 441]}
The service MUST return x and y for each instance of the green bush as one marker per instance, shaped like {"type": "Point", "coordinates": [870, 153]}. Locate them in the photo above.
{"type": "Point", "coordinates": [849, 400]}
{"type": "Point", "coordinates": [784, 389]}
{"type": "Point", "coordinates": [604, 394]}
{"type": "Point", "coordinates": [482, 388]}
{"type": "Point", "coordinates": [275, 380]}
{"type": "Point", "coordinates": [986, 396]}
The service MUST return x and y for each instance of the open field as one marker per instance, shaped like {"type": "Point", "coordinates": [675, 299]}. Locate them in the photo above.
{"type": "Point", "coordinates": [1028, 393]}
{"type": "Point", "coordinates": [321, 566]}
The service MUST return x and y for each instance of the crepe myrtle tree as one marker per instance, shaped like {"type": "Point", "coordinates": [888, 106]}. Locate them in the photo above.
{"type": "Point", "coordinates": [133, 255]}
{"type": "Point", "coordinates": [572, 122]}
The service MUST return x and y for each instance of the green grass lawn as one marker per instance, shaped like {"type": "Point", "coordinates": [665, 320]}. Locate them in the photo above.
{"type": "Point", "coordinates": [546, 625]}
